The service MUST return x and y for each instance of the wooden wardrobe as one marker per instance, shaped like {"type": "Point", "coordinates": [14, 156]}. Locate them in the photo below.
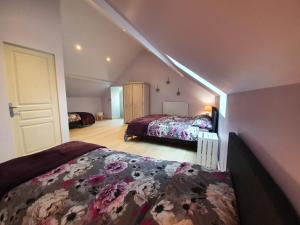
{"type": "Point", "coordinates": [136, 100]}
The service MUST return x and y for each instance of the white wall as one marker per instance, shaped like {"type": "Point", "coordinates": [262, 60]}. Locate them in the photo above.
{"type": "Point", "coordinates": [34, 24]}
{"type": "Point", "coordinates": [268, 120]}
{"type": "Point", "coordinates": [84, 104]}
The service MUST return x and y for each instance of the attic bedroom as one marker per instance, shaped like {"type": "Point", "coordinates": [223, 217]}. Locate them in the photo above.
{"type": "Point", "coordinates": [149, 112]}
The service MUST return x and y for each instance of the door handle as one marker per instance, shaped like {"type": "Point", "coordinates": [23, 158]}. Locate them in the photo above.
{"type": "Point", "coordinates": [11, 110]}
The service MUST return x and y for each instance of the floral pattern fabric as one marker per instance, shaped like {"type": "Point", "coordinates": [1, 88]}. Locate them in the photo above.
{"type": "Point", "coordinates": [203, 121]}
{"type": "Point", "coordinates": [107, 187]}
{"type": "Point", "coordinates": [73, 117]}
{"type": "Point", "coordinates": [175, 127]}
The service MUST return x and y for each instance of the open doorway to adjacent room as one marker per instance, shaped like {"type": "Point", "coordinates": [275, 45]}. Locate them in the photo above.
{"type": "Point", "coordinates": [117, 111]}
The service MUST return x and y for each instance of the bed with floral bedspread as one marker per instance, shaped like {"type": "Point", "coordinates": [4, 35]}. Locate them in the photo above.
{"type": "Point", "coordinates": [177, 127]}
{"type": "Point", "coordinates": [104, 186]}
{"type": "Point", "coordinates": [80, 119]}
{"type": "Point", "coordinates": [169, 127]}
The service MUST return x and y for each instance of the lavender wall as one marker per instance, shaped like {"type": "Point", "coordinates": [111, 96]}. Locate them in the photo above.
{"type": "Point", "coordinates": [148, 68]}
{"type": "Point", "coordinates": [244, 45]}
{"type": "Point", "coordinates": [84, 104]}
{"type": "Point", "coordinates": [269, 121]}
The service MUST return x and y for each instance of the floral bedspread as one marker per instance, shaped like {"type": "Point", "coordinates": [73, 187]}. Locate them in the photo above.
{"type": "Point", "coordinates": [106, 187]}
{"type": "Point", "coordinates": [73, 117]}
{"type": "Point", "coordinates": [174, 127]}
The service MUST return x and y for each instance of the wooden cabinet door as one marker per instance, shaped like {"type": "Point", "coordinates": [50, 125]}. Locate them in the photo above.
{"type": "Point", "coordinates": [127, 101]}
{"type": "Point", "coordinates": [137, 100]}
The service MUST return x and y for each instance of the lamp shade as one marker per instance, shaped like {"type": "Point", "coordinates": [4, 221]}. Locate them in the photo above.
{"type": "Point", "coordinates": [207, 108]}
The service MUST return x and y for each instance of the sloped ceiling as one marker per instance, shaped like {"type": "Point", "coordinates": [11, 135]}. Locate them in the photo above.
{"type": "Point", "coordinates": [100, 38]}
{"type": "Point", "coordinates": [77, 87]}
{"type": "Point", "coordinates": [236, 45]}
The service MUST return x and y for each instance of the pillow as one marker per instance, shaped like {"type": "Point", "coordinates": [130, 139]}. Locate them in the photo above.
{"type": "Point", "coordinates": [203, 122]}
{"type": "Point", "coordinates": [74, 117]}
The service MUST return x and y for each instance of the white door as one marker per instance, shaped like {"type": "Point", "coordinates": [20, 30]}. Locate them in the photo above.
{"type": "Point", "coordinates": [32, 91]}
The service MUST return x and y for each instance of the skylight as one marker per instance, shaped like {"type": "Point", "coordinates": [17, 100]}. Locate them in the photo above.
{"type": "Point", "coordinates": [223, 95]}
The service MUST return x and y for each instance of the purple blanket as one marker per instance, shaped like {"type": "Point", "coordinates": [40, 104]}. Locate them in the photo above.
{"type": "Point", "coordinates": [139, 127]}
{"type": "Point", "coordinates": [19, 170]}
{"type": "Point", "coordinates": [86, 118]}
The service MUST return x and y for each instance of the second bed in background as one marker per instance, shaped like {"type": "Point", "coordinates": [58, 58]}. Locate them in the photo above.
{"type": "Point", "coordinates": [176, 127]}
{"type": "Point", "coordinates": [80, 119]}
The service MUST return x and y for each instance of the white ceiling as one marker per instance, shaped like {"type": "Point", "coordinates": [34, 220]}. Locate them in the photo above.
{"type": "Point", "coordinates": [85, 88]}
{"type": "Point", "coordinates": [236, 45]}
{"type": "Point", "coordinates": [100, 38]}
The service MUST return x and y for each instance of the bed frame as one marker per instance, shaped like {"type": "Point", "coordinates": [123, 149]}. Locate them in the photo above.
{"type": "Point", "coordinates": [260, 201]}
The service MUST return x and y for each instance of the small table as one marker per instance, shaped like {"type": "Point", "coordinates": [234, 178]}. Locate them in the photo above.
{"type": "Point", "coordinates": [99, 116]}
{"type": "Point", "coordinates": [207, 150]}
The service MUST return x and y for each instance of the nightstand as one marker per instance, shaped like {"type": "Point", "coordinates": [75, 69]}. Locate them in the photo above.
{"type": "Point", "coordinates": [207, 150]}
{"type": "Point", "coordinates": [99, 116]}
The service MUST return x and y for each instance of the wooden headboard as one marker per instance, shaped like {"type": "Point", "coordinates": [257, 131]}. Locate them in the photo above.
{"type": "Point", "coordinates": [260, 201]}
{"type": "Point", "coordinates": [176, 108]}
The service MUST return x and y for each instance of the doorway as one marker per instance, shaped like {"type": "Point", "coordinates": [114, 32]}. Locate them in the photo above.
{"type": "Point", "coordinates": [117, 111]}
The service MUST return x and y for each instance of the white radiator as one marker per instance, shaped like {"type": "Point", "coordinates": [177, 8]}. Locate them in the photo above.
{"type": "Point", "coordinates": [207, 151]}
{"type": "Point", "coordinates": [176, 108]}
